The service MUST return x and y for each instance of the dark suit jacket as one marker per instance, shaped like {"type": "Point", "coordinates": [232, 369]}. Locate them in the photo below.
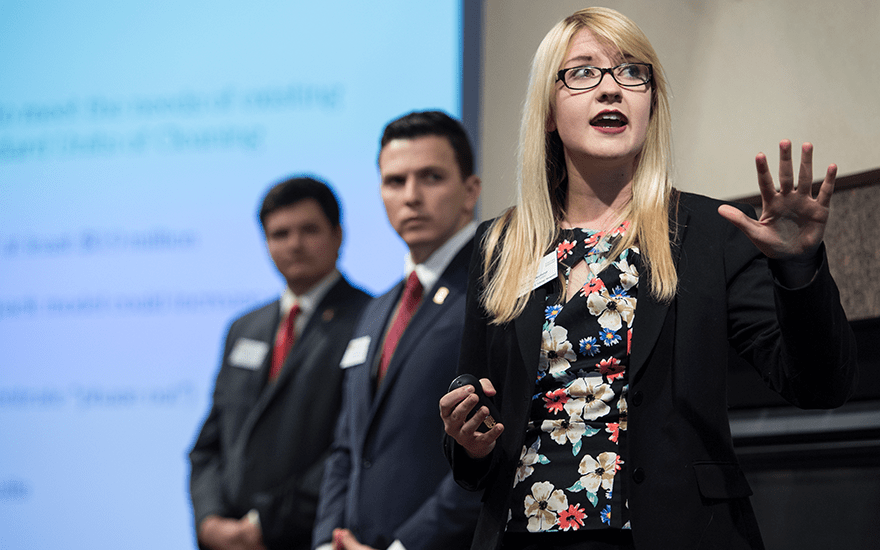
{"type": "Point", "coordinates": [387, 478]}
{"type": "Point", "coordinates": [686, 489]}
{"type": "Point", "coordinates": [263, 446]}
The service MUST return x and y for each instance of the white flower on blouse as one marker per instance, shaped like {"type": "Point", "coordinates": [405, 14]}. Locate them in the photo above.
{"type": "Point", "coordinates": [589, 398]}
{"type": "Point", "coordinates": [570, 429]}
{"type": "Point", "coordinates": [599, 471]}
{"type": "Point", "coordinates": [622, 408]}
{"type": "Point", "coordinates": [611, 308]}
{"type": "Point", "coordinates": [629, 275]}
{"type": "Point", "coordinates": [527, 461]}
{"type": "Point", "coordinates": [556, 351]}
{"type": "Point", "coordinates": [542, 506]}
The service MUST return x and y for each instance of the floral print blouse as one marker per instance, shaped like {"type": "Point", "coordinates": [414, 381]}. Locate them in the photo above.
{"type": "Point", "coordinates": [570, 473]}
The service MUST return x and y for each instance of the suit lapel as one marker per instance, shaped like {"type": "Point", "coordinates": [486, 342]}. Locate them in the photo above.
{"type": "Point", "coordinates": [650, 313]}
{"type": "Point", "coordinates": [314, 331]}
{"type": "Point", "coordinates": [368, 397]}
{"type": "Point", "coordinates": [268, 333]}
{"type": "Point", "coordinates": [426, 315]}
{"type": "Point", "coordinates": [320, 327]}
{"type": "Point", "coordinates": [261, 394]}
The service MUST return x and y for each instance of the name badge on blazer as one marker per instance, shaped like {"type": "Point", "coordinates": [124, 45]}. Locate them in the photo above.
{"type": "Point", "coordinates": [546, 272]}
{"type": "Point", "coordinates": [356, 352]}
{"type": "Point", "coordinates": [248, 354]}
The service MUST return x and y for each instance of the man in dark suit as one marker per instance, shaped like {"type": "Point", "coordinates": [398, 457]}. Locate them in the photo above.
{"type": "Point", "coordinates": [258, 461]}
{"type": "Point", "coordinates": [387, 484]}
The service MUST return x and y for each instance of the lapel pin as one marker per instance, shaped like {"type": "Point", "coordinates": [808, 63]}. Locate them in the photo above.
{"type": "Point", "coordinates": [440, 295]}
{"type": "Point", "coordinates": [327, 315]}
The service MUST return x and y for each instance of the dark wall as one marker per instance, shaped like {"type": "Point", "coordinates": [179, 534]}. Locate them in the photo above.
{"type": "Point", "coordinates": [816, 474]}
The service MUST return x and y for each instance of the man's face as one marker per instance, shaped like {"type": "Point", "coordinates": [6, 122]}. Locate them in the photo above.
{"type": "Point", "coordinates": [302, 243]}
{"type": "Point", "coordinates": [425, 197]}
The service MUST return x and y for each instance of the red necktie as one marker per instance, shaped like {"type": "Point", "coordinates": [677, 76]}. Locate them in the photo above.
{"type": "Point", "coordinates": [409, 302]}
{"type": "Point", "coordinates": [283, 342]}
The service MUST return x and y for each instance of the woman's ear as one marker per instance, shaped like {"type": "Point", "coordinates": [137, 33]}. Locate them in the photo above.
{"type": "Point", "coordinates": [550, 125]}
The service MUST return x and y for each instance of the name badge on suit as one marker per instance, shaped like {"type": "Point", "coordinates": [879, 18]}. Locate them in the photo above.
{"type": "Point", "coordinates": [248, 354]}
{"type": "Point", "coordinates": [356, 352]}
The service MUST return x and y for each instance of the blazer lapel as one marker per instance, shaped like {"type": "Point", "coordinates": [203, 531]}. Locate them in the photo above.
{"type": "Point", "coordinates": [650, 313]}
{"type": "Point", "coordinates": [527, 337]}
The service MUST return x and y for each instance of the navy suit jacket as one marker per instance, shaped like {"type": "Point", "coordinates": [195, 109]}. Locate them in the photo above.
{"type": "Point", "coordinates": [685, 488]}
{"type": "Point", "coordinates": [263, 446]}
{"type": "Point", "coordinates": [387, 478]}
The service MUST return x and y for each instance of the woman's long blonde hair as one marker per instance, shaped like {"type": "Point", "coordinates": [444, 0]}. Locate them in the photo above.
{"type": "Point", "coordinates": [519, 238]}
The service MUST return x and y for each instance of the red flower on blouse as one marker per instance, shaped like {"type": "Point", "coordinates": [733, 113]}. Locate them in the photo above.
{"type": "Point", "coordinates": [614, 429]}
{"type": "Point", "coordinates": [594, 284]}
{"type": "Point", "coordinates": [593, 240]}
{"type": "Point", "coordinates": [610, 368]}
{"type": "Point", "coordinates": [619, 230]}
{"type": "Point", "coordinates": [572, 519]}
{"type": "Point", "coordinates": [556, 400]}
{"type": "Point", "coordinates": [563, 250]}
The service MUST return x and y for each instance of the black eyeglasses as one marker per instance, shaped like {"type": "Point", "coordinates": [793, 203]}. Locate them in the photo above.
{"type": "Point", "coordinates": [626, 74]}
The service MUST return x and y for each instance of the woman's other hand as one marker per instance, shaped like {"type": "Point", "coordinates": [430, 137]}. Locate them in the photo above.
{"type": "Point", "coordinates": [454, 409]}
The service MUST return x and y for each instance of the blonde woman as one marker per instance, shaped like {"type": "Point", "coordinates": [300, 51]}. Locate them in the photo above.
{"type": "Point", "coordinates": [601, 309]}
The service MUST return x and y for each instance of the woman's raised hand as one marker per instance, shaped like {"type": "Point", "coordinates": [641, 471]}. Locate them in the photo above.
{"type": "Point", "coordinates": [792, 222]}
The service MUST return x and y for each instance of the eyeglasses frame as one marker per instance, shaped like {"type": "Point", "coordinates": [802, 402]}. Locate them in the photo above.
{"type": "Point", "coordinates": [560, 75]}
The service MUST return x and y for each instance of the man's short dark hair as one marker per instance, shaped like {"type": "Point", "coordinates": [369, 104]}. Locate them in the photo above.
{"type": "Point", "coordinates": [433, 123]}
{"type": "Point", "coordinates": [294, 190]}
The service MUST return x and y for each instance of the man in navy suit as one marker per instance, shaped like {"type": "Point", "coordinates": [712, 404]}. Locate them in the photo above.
{"type": "Point", "coordinates": [258, 461]}
{"type": "Point", "coordinates": [387, 484]}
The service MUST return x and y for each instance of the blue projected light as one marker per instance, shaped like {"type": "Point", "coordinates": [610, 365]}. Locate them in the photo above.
{"type": "Point", "coordinates": [136, 142]}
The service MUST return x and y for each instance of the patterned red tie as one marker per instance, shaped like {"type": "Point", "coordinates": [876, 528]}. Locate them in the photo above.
{"type": "Point", "coordinates": [409, 302]}
{"type": "Point", "coordinates": [283, 342]}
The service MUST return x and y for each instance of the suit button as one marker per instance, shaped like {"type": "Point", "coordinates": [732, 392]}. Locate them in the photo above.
{"type": "Point", "coordinates": [638, 475]}
{"type": "Point", "coordinates": [366, 463]}
{"type": "Point", "coordinates": [638, 398]}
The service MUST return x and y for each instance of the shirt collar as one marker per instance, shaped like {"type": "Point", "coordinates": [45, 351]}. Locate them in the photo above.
{"type": "Point", "coordinates": [309, 300]}
{"type": "Point", "coordinates": [430, 270]}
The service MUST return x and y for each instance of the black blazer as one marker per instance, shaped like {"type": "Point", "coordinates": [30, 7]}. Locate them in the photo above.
{"type": "Point", "coordinates": [387, 478]}
{"type": "Point", "coordinates": [263, 447]}
{"type": "Point", "coordinates": [686, 489]}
